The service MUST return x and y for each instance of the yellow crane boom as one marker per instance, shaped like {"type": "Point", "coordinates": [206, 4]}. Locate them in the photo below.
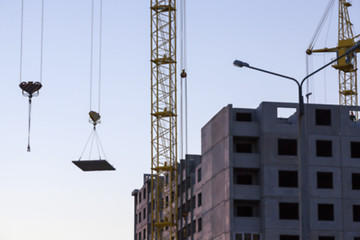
{"type": "Point", "coordinates": [347, 67]}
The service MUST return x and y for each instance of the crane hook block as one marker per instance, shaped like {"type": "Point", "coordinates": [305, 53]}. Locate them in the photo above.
{"type": "Point", "coordinates": [29, 88]}
{"type": "Point", "coordinates": [95, 117]}
{"type": "Point", "coordinates": [183, 74]}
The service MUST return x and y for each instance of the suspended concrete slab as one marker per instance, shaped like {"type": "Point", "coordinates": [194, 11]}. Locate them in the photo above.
{"type": "Point", "coordinates": [94, 165]}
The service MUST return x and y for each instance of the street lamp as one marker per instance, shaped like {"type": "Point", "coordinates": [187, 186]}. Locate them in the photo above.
{"type": "Point", "coordinates": [304, 223]}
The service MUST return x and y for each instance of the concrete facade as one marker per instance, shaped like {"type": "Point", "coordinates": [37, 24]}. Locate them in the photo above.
{"type": "Point", "coordinates": [249, 175]}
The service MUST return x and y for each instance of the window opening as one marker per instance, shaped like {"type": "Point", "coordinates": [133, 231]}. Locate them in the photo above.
{"type": "Point", "coordinates": [288, 179]}
{"type": "Point", "coordinates": [355, 149]}
{"type": "Point", "coordinates": [289, 237]}
{"type": "Point", "coordinates": [287, 147]}
{"type": "Point", "coordinates": [355, 181]}
{"type": "Point", "coordinates": [323, 117]}
{"type": "Point", "coordinates": [326, 238]}
{"type": "Point", "coordinates": [356, 213]}
{"type": "Point", "coordinates": [288, 210]}
{"type": "Point", "coordinates": [325, 212]}
{"type": "Point", "coordinates": [285, 113]}
{"type": "Point", "coordinates": [323, 148]}
{"type": "Point", "coordinates": [324, 179]}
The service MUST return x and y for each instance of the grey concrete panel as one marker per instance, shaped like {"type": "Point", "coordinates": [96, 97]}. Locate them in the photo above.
{"type": "Point", "coordinates": [271, 214]}
{"type": "Point", "coordinates": [335, 192]}
{"type": "Point", "coordinates": [349, 224]}
{"type": "Point", "coordinates": [336, 224]}
{"type": "Point", "coordinates": [271, 182]}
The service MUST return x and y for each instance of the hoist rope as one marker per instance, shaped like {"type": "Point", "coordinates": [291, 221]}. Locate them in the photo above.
{"type": "Point", "coordinates": [92, 56]}
{"type": "Point", "coordinates": [21, 38]}
{"type": "Point", "coordinates": [100, 55]}
{"type": "Point", "coordinates": [183, 82]}
{"type": "Point", "coordinates": [41, 40]}
{"type": "Point", "coordinates": [91, 51]}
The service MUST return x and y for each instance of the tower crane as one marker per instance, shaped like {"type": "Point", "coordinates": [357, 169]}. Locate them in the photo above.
{"type": "Point", "coordinates": [347, 67]}
{"type": "Point", "coordinates": [164, 203]}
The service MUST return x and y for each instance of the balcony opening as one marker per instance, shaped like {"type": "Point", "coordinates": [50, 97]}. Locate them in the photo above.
{"type": "Point", "coordinates": [245, 144]}
{"type": "Point", "coordinates": [246, 176]}
{"type": "Point", "coordinates": [246, 208]}
{"type": "Point", "coordinates": [243, 117]}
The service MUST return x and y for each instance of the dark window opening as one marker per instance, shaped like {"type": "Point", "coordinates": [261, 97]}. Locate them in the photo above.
{"type": "Point", "coordinates": [199, 175]}
{"type": "Point", "coordinates": [288, 210]}
{"type": "Point", "coordinates": [144, 213]}
{"type": "Point", "coordinates": [246, 208]}
{"type": "Point", "coordinates": [288, 179]}
{"type": "Point", "coordinates": [355, 181]}
{"type": "Point", "coordinates": [199, 224]}
{"type": "Point", "coordinates": [246, 176]}
{"type": "Point", "coordinates": [356, 213]}
{"type": "Point", "coordinates": [326, 238]}
{"type": "Point", "coordinates": [325, 212]}
{"type": "Point", "coordinates": [199, 200]}
{"type": "Point", "coordinates": [355, 149]}
{"type": "Point", "coordinates": [356, 238]}
{"type": "Point", "coordinates": [324, 180]}
{"type": "Point", "coordinates": [289, 237]}
{"type": "Point", "coordinates": [243, 117]}
{"type": "Point", "coordinates": [323, 148]}
{"type": "Point", "coordinates": [287, 147]}
{"type": "Point", "coordinates": [323, 117]}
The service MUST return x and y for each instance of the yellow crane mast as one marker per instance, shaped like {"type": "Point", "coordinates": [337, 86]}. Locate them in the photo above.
{"type": "Point", "coordinates": [163, 121]}
{"type": "Point", "coordinates": [347, 67]}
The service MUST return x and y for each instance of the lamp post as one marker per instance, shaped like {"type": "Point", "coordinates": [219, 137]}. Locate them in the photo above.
{"type": "Point", "coordinates": [304, 223]}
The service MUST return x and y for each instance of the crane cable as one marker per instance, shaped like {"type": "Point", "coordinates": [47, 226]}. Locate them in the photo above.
{"type": "Point", "coordinates": [31, 89]}
{"type": "Point", "coordinates": [183, 83]}
{"type": "Point", "coordinates": [95, 116]}
{"type": "Point", "coordinates": [312, 44]}
{"type": "Point", "coordinates": [92, 58]}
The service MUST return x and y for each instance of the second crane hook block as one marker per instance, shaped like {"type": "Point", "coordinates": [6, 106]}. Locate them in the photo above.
{"type": "Point", "coordinates": [183, 74]}
{"type": "Point", "coordinates": [94, 116]}
{"type": "Point", "coordinates": [30, 87]}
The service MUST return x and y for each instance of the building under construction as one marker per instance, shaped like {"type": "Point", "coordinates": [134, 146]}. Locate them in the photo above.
{"type": "Point", "coordinates": [244, 186]}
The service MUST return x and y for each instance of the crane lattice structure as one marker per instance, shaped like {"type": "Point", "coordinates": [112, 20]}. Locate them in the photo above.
{"type": "Point", "coordinates": [163, 121]}
{"type": "Point", "coordinates": [348, 93]}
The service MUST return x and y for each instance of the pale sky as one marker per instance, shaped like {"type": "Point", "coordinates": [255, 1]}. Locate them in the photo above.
{"type": "Point", "coordinates": [43, 195]}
